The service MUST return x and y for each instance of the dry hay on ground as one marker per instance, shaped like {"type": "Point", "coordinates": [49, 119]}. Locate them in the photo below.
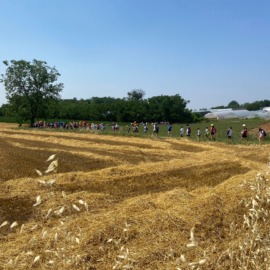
{"type": "Point", "coordinates": [121, 202]}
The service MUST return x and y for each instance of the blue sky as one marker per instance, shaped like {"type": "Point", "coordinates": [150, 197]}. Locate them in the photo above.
{"type": "Point", "coordinates": [208, 51]}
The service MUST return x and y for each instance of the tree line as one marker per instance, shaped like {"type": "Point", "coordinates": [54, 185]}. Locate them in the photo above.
{"type": "Point", "coordinates": [253, 106]}
{"type": "Point", "coordinates": [32, 92]}
{"type": "Point", "coordinates": [158, 108]}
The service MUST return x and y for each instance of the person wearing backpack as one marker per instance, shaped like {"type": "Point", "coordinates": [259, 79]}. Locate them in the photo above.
{"type": "Point", "coordinates": [229, 133]}
{"type": "Point", "coordinates": [188, 131]}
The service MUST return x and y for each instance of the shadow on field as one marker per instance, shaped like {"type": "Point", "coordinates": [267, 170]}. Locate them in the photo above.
{"type": "Point", "coordinates": [189, 178]}
{"type": "Point", "coordinates": [91, 139]}
{"type": "Point", "coordinates": [17, 162]}
{"type": "Point", "coordinates": [18, 209]}
{"type": "Point", "coordinates": [125, 155]}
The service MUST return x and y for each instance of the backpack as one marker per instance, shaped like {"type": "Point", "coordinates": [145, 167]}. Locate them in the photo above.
{"type": "Point", "coordinates": [264, 133]}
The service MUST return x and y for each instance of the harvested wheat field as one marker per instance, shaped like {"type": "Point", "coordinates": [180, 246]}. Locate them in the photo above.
{"type": "Point", "coordinates": [89, 201]}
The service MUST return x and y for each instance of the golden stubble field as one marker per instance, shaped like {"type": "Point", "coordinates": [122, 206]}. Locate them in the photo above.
{"type": "Point", "coordinates": [120, 202]}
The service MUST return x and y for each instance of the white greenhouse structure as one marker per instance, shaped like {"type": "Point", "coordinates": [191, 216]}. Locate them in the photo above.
{"type": "Point", "coordinates": [238, 114]}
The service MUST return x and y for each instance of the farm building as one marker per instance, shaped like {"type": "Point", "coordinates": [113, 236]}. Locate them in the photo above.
{"type": "Point", "coordinates": [238, 114]}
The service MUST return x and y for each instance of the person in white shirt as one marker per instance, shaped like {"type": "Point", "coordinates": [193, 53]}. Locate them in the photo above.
{"type": "Point", "coordinates": [182, 131]}
{"type": "Point", "coordinates": [206, 133]}
{"type": "Point", "coordinates": [199, 133]}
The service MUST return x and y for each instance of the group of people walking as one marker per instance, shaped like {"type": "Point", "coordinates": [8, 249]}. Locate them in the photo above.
{"type": "Point", "coordinates": [210, 133]}
{"type": "Point", "coordinates": [244, 133]}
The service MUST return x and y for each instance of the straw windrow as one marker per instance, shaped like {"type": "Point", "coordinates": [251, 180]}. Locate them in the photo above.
{"type": "Point", "coordinates": [129, 203]}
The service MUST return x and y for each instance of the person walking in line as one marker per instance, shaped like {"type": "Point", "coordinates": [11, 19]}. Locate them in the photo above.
{"type": "Point", "coordinates": [182, 132]}
{"type": "Point", "coordinates": [188, 132]}
{"type": "Point", "coordinates": [169, 130]}
{"type": "Point", "coordinates": [206, 133]}
{"type": "Point", "coordinates": [229, 133]}
{"type": "Point", "coordinates": [244, 132]}
{"type": "Point", "coordinates": [199, 133]}
{"type": "Point", "coordinates": [213, 132]}
{"type": "Point", "coordinates": [262, 135]}
{"type": "Point", "coordinates": [145, 128]}
{"type": "Point", "coordinates": [155, 129]}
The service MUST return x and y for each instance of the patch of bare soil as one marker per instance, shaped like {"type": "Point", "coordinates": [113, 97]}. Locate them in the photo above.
{"type": "Point", "coordinates": [266, 127]}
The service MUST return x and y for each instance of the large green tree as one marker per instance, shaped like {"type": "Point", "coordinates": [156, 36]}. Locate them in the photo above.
{"type": "Point", "coordinates": [31, 86]}
{"type": "Point", "coordinates": [168, 108]}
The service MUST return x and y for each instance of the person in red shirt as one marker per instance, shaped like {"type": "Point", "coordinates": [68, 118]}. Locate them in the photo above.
{"type": "Point", "coordinates": [244, 132]}
{"type": "Point", "coordinates": [213, 132]}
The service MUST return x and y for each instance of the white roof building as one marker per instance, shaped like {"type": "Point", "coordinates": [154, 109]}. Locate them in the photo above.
{"type": "Point", "coordinates": [238, 114]}
{"type": "Point", "coordinates": [266, 109]}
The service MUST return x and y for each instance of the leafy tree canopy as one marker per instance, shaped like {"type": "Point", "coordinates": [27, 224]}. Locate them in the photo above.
{"type": "Point", "coordinates": [253, 106]}
{"type": "Point", "coordinates": [234, 105]}
{"type": "Point", "coordinates": [30, 86]}
{"type": "Point", "coordinates": [136, 94]}
{"type": "Point", "coordinates": [257, 105]}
